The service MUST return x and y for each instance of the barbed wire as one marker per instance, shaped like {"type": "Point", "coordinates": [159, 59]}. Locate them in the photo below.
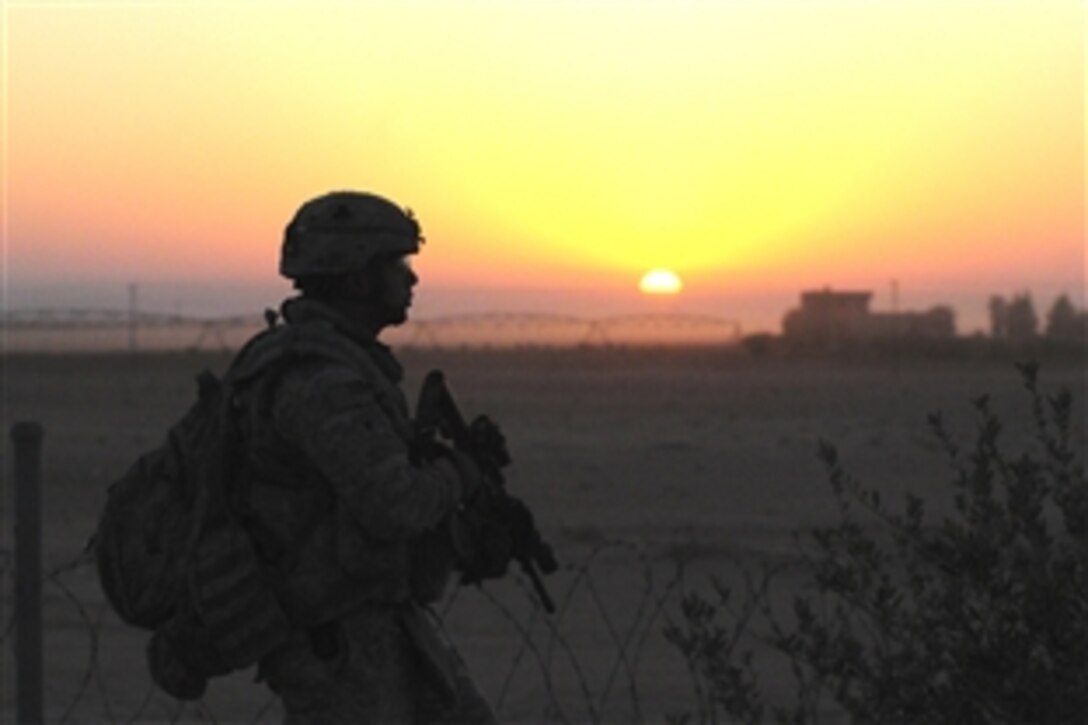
{"type": "Point", "coordinates": [111, 317]}
{"type": "Point", "coordinates": [41, 328]}
{"type": "Point", "coordinates": [546, 641]}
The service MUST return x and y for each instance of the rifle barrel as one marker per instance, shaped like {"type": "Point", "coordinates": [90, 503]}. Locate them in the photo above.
{"type": "Point", "coordinates": [538, 585]}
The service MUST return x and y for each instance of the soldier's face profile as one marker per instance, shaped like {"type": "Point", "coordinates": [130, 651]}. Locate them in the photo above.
{"type": "Point", "coordinates": [396, 278]}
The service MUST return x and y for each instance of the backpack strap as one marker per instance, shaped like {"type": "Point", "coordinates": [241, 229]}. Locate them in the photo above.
{"type": "Point", "coordinates": [315, 339]}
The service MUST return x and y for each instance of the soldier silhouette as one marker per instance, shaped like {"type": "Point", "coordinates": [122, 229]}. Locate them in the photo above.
{"type": "Point", "coordinates": [349, 524]}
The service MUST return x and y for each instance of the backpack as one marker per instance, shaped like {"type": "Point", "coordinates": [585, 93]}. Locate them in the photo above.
{"type": "Point", "coordinates": [173, 557]}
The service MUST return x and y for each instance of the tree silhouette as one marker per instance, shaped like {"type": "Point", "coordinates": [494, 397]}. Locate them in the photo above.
{"type": "Point", "coordinates": [1063, 322]}
{"type": "Point", "coordinates": [1023, 323]}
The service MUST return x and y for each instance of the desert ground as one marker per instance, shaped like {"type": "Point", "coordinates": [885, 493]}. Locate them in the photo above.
{"type": "Point", "coordinates": [648, 470]}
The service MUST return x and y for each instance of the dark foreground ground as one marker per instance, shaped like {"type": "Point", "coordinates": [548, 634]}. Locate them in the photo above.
{"type": "Point", "coordinates": [636, 462]}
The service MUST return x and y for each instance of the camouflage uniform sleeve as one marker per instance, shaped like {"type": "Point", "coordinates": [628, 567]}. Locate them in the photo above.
{"type": "Point", "coordinates": [333, 415]}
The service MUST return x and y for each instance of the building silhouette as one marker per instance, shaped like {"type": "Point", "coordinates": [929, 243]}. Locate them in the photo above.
{"type": "Point", "coordinates": [835, 316]}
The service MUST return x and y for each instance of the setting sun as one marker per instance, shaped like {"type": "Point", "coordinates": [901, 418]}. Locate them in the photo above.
{"type": "Point", "coordinates": [660, 282]}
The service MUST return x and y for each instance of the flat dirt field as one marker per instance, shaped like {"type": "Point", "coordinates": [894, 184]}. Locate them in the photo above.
{"type": "Point", "coordinates": [648, 470]}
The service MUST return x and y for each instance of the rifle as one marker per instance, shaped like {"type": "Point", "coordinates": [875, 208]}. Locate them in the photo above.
{"type": "Point", "coordinates": [437, 414]}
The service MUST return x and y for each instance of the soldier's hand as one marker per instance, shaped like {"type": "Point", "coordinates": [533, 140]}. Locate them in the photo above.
{"type": "Point", "coordinates": [483, 547]}
{"type": "Point", "coordinates": [488, 438]}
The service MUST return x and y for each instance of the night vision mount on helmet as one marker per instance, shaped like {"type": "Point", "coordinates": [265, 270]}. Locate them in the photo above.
{"type": "Point", "coordinates": [343, 231]}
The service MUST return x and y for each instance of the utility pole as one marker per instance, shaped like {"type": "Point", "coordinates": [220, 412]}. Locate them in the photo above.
{"type": "Point", "coordinates": [895, 295]}
{"type": "Point", "coordinates": [133, 315]}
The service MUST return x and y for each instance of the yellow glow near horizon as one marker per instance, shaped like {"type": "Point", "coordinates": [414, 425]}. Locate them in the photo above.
{"type": "Point", "coordinates": [581, 142]}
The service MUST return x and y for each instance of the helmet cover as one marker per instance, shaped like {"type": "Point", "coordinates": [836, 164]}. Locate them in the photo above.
{"type": "Point", "coordinates": [343, 231]}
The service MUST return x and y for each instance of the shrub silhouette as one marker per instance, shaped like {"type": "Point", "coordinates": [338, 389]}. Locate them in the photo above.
{"type": "Point", "coordinates": [980, 618]}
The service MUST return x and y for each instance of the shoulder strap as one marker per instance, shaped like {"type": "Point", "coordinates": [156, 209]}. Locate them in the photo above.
{"type": "Point", "coordinates": [312, 339]}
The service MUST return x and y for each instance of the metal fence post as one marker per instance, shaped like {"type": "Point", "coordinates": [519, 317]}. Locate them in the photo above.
{"type": "Point", "coordinates": [27, 439]}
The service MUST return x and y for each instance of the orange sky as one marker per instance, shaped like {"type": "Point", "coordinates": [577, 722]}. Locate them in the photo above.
{"type": "Point", "coordinates": [756, 148]}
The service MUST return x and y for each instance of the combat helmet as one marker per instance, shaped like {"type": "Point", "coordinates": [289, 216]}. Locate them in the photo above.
{"type": "Point", "coordinates": [342, 231]}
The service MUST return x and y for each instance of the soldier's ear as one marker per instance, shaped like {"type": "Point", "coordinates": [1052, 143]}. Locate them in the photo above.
{"type": "Point", "coordinates": [364, 284]}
